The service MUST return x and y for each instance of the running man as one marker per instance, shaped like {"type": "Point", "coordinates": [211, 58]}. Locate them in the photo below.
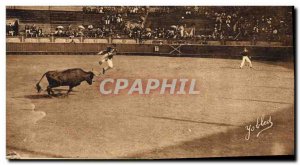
{"type": "Point", "coordinates": [107, 57]}
{"type": "Point", "coordinates": [245, 55]}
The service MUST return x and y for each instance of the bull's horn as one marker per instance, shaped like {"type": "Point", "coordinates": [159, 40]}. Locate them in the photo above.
{"type": "Point", "coordinates": [95, 72]}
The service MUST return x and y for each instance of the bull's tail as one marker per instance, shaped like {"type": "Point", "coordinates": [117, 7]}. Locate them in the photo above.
{"type": "Point", "coordinates": [38, 87]}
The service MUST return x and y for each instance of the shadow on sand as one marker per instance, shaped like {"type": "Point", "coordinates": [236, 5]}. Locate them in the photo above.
{"type": "Point", "coordinates": [43, 96]}
{"type": "Point", "coordinates": [46, 96]}
{"type": "Point", "coordinates": [279, 140]}
{"type": "Point", "coordinates": [59, 93]}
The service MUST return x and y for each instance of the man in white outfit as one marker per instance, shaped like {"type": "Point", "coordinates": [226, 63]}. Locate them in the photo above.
{"type": "Point", "coordinates": [107, 57]}
{"type": "Point", "coordinates": [245, 55]}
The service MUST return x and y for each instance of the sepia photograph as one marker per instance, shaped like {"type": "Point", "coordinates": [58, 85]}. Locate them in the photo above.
{"type": "Point", "coordinates": [150, 82]}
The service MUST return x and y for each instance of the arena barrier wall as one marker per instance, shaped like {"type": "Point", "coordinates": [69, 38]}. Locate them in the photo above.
{"type": "Point", "coordinates": [214, 51]}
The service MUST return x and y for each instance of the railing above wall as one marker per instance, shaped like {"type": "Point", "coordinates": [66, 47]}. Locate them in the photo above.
{"type": "Point", "coordinates": [52, 39]}
{"type": "Point", "coordinates": [282, 53]}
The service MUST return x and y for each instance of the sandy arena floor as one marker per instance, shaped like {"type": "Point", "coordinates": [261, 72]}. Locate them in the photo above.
{"type": "Point", "coordinates": [87, 124]}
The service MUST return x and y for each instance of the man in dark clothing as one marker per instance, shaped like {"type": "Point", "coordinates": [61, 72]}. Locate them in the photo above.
{"type": "Point", "coordinates": [245, 55]}
{"type": "Point", "coordinates": [107, 57]}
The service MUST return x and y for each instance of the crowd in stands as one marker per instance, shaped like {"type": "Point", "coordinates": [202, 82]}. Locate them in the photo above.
{"type": "Point", "coordinates": [33, 31]}
{"type": "Point", "coordinates": [114, 9]}
{"type": "Point", "coordinates": [89, 31]}
{"type": "Point", "coordinates": [172, 32]}
{"type": "Point", "coordinates": [29, 31]}
{"type": "Point", "coordinates": [226, 23]}
{"type": "Point", "coordinates": [111, 24]}
{"type": "Point", "coordinates": [240, 23]}
{"type": "Point", "coordinates": [12, 28]}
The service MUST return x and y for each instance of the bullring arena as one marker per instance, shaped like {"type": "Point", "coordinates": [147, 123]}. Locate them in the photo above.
{"type": "Point", "coordinates": [88, 124]}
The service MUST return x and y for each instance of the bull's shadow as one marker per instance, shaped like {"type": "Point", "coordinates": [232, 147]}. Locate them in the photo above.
{"type": "Point", "coordinates": [59, 93]}
{"type": "Point", "coordinates": [62, 90]}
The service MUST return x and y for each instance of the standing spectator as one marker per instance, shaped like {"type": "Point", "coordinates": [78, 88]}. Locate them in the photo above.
{"type": "Point", "coordinates": [107, 20]}
{"type": "Point", "coordinates": [10, 29]}
{"type": "Point", "coordinates": [40, 32]}
{"type": "Point", "coordinates": [99, 33]}
{"type": "Point", "coordinates": [33, 31]}
{"type": "Point", "coordinates": [16, 27]}
{"type": "Point", "coordinates": [27, 30]}
{"type": "Point", "coordinates": [181, 30]}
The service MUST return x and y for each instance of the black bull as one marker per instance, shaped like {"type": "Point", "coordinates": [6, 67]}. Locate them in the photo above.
{"type": "Point", "coordinates": [69, 77]}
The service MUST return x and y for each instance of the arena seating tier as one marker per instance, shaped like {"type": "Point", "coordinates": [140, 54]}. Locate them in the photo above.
{"type": "Point", "coordinates": [210, 23]}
